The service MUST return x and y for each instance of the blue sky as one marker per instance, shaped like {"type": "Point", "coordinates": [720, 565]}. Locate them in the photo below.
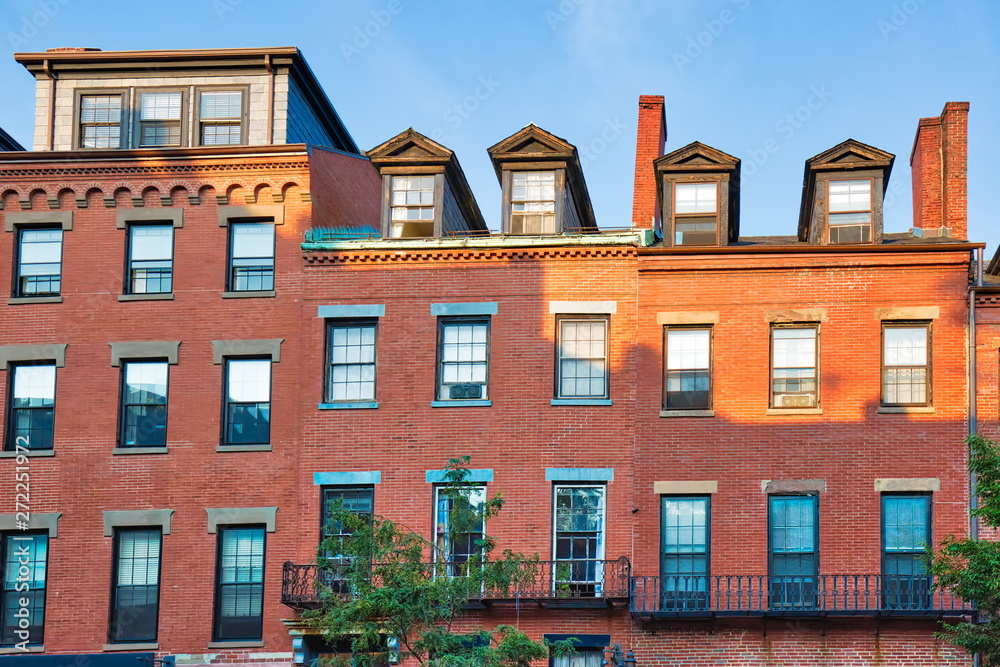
{"type": "Point", "coordinates": [740, 75]}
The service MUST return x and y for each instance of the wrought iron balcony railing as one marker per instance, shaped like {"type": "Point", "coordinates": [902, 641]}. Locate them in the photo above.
{"type": "Point", "coordinates": [577, 583]}
{"type": "Point", "coordinates": [822, 595]}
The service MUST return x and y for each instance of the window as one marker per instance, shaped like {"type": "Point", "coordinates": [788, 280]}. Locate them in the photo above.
{"type": "Point", "coordinates": [32, 404]}
{"type": "Point", "coordinates": [135, 598]}
{"type": "Point", "coordinates": [696, 213]}
{"type": "Point", "coordinates": [160, 119]}
{"type": "Point", "coordinates": [533, 202]}
{"type": "Point", "coordinates": [906, 364]}
{"type": "Point", "coordinates": [906, 531]}
{"type": "Point", "coordinates": [579, 539]}
{"type": "Point", "coordinates": [464, 358]}
{"type": "Point", "coordinates": [355, 499]}
{"type": "Point", "coordinates": [248, 402]}
{"type": "Point", "coordinates": [684, 561]}
{"type": "Point", "coordinates": [239, 593]}
{"type": "Point", "coordinates": [221, 116]}
{"type": "Point", "coordinates": [583, 358]}
{"type": "Point", "coordinates": [39, 262]}
{"type": "Point", "coordinates": [580, 657]}
{"type": "Point", "coordinates": [793, 367]}
{"type": "Point", "coordinates": [25, 558]}
{"type": "Point", "coordinates": [150, 259]}
{"type": "Point", "coordinates": [688, 384]}
{"type": "Point", "coordinates": [144, 404]}
{"type": "Point", "coordinates": [251, 256]}
{"type": "Point", "coordinates": [850, 205]}
{"type": "Point", "coordinates": [794, 546]}
{"type": "Point", "coordinates": [100, 121]}
{"type": "Point", "coordinates": [454, 546]}
{"type": "Point", "coordinates": [412, 210]}
{"type": "Point", "coordinates": [352, 361]}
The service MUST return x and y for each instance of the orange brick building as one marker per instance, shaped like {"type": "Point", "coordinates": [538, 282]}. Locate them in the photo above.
{"type": "Point", "coordinates": [222, 315]}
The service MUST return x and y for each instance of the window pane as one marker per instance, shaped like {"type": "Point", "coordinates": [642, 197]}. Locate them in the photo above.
{"type": "Point", "coordinates": [352, 363]}
{"type": "Point", "coordinates": [850, 196]}
{"type": "Point", "coordinates": [160, 106]}
{"type": "Point", "coordinates": [905, 346]}
{"type": "Point", "coordinates": [151, 242]}
{"type": "Point", "coordinates": [253, 239]}
{"type": "Point", "coordinates": [240, 584]}
{"type": "Point", "coordinates": [579, 538]}
{"type": "Point", "coordinates": [582, 358]}
{"type": "Point", "coordinates": [906, 521]}
{"type": "Point", "coordinates": [458, 547]}
{"type": "Point", "coordinates": [687, 348]}
{"type": "Point", "coordinates": [463, 361]}
{"type": "Point", "coordinates": [34, 386]}
{"type": "Point", "coordinates": [249, 380]}
{"type": "Point", "coordinates": [221, 104]}
{"type": "Point", "coordinates": [696, 198]}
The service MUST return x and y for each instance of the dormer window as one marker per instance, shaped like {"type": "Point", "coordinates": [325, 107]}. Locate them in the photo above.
{"type": "Point", "coordinates": [850, 211]}
{"type": "Point", "coordinates": [412, 214]}
{"type": "Point", "coordinates": [533, 202]}
{"type": "Point", "coordinates": [221, 117]}
{"type": "Point", "coordinates": [696, 213]}
{"type": "Point", "coordinates": [160, 119]}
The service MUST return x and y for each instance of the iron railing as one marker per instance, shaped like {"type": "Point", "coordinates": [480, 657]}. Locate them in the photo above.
{"type": "Point", "coordinates": [580, 581]}
{"type": "Point", "coordinates": [825, 594]}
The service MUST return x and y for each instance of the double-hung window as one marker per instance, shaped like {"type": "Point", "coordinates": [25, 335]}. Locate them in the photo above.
{"type": "Point", "coordinates": [25, 561]}
{"type": "Point", "coordinates": [251, 256]}
{"type": "Point", "coordinates": [412, 207]}
{"type": "Point", "coordinates": [458, 526]}
{"type": "Point", "coordinates": [150, 259]}
{"type": "Point", "coordinates": [239, 591]}
{"type": "Point", "coordinates": [794, 377]}
{"type": "Point", "coordinates": [358, 500]}
{"type": "Point", "coordinates": [696, 213]}
{"type": "Point", "coordinates": [578, 548]}
{"type": "Point", "coordinates": [351, 357]}
{"type": "Point", "coordinates": [688, 382]}
{"type": "Point", "coordinates": [144, 404]}
{"type": "Point", "coordinates": [906, 364]}
{"type": "Point", "coordinates": [100, 121]}
{"type": "Point", "coordinates": [39, 261]}
{"type": "Point", "coordinates": [248, 402]}
{"type": "Point", "coordinates": [794, 551]}
{"type": "Point", "coordinates": [850, 206]}
{"type": "Point", "coordinates": [135, 597]}
{"type": "Point", "coordinates": [160, 118]}
{"type": "Point", "coordinates": [463, 358]}
{"type": "Point", "coordinates": [31, 407]}
{"type": "Point", "coordinates": [906, 531]}
{"type": "Point", "coordinates": [582, 364]}
{"type": "Point", "coordinates": [533, 202]}
{"type": "Point", "coordinates": [685, 553]}
{"type": "Point", "coordinates": [220, 113]}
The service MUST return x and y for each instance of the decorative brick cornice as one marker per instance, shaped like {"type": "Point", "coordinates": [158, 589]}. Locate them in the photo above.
{"type": "Point", "coordinates": [470, 254]}
{"type": "Point", "coordinates": [150, 169]}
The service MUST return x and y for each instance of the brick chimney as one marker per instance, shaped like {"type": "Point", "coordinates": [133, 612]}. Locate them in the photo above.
{"type": "Point", "coordinates": [938, 167]}
{"type": "Point", "coordinates": [650, 138]}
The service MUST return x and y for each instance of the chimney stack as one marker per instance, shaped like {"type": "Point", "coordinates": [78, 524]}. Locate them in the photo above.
{"type": "Point", "coordinates": [938, 166]}
{"type": "Point", "coordinates": [650, 139]}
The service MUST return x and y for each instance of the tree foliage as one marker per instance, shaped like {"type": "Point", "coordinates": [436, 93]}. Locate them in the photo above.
{"type": "Point", "coordinates": [391, 593]}
{"type": "Point", "coordinates": [970, 568]}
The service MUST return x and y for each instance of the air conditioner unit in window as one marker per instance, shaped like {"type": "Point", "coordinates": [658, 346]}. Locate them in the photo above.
{"type": "Point", "coordinates": [794, 400]}
{"type": "Point", "coordinates": [470, 390]}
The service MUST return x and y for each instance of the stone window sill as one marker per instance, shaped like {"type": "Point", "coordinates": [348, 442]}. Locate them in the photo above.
{"type": "Point", "coordinates": [687, 413]}
{"type": "Point", "coordinates": [248, 295]}
{"type": "Point", "coordinates": [17, 300]}
{"type": "Point", "coordinates": [906, 410]}
{"type": "Point", "coordinates": [168, 296]}
{"type": "Point", "coordinates": [349, 405]}
{"type": "Point", "coordinates": [138, 450]}
{"type": "Point", "coordinates": [244, 448]}
{"type": "Point", "coordinates": [29, 452]}
{"type": "Point", "coordinates": [775, 412]}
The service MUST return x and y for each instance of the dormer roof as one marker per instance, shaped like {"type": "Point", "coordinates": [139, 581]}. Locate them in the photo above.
{"type": "Point", "coordinates": [539, 148]}
{"type": "Point", "coordinates": [696, 156]}
{"type": "Point", "coordinates": [410, 149]}
{"type": "Point", "coordinates": [847, 156]}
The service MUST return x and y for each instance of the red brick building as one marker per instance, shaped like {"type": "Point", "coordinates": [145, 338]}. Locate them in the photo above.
{"type": "Point", "coordinates": [222, 315]}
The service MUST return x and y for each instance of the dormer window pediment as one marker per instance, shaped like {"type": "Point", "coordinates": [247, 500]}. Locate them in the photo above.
{"type": "Point", "coordinates": [842, 195]}
{"type": "Point", "coordinates": [544, 191]}
{"type": "Point", "coordinates": [699, 196]}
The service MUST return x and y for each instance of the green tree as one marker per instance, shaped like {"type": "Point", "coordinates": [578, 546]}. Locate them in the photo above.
{"type": "Point", "coordinates": [389, 592]}
{"type": "Point", "coordinates": [970, 568]}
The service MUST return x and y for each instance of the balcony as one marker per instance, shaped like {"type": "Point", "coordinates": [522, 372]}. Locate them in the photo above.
{"type": "Point", "coordinates": [568, 583]}
{"type": "Point", "coordinates": [823, 595]}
